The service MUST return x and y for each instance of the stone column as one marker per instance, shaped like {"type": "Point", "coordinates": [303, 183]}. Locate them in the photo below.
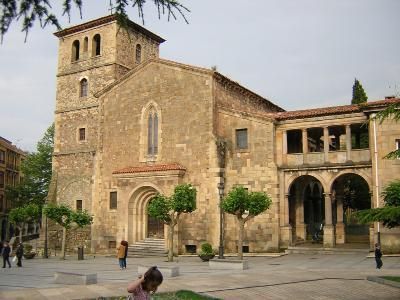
{"type": "Point", "coordinates": [339, 228]}
{"type": "Point", "coordinates": [284, 147]}
{"type": "Point", "coordinates": [326, 144]}
{"type": "Point", "coordinates": [329, 229]}
{"type": "Point", "coordinates": [300, 226]}
{"type": "Point", "coordinates": [348, 142]}
{"type": "Point", "coordinates": [305, 141]}
{"type": "Point", "coordinates": [286, 229]}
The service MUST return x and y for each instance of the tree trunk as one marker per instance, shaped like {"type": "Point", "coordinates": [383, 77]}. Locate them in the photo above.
{"type": "Point", "coordinates": [63, 243]}
{"type": "Point", "coordinates": [171, 241]}
{"type": "Point", "coordinates": [20, 233]}
{"type": "Point", "coordinates": [240, 241]}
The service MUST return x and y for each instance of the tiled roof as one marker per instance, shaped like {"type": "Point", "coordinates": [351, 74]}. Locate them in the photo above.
{"type": "Point", "coordinates": [333, 110]}
{"type": "Point", "coordinates": [105, 20]}
{"type": "Point", "coordinates": [151, 168]}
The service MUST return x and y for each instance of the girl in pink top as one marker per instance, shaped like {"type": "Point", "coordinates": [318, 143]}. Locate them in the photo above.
{"type": "Point", "coordinates": [146, 284]}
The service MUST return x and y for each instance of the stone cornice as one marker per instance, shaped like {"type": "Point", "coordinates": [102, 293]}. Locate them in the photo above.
{"type": "Point", "coordinates": [326, 166]}
{"type": "Point", "coordinates": [105, 20]}
{"type": "Point", "coordinates": [59, 111]}
{"type": "Point", "coordinates": [90, 151]}
{"type": "Point", "coordinates": [236, 87]}
{"type": "Point", "coordinates": [82, 69]}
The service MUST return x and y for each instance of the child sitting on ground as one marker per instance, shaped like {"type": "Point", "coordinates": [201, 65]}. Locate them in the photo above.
{"type": "Point", "coordinates": [146, 284]}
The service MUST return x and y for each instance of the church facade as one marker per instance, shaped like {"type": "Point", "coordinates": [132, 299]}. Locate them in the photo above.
{"type": "Point", "coordinates": [129, 125]}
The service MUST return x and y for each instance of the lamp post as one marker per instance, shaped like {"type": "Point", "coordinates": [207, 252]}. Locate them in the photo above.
{"type": "Point", "coordinates": [221, 187]}
{"type": "Point", "coordinates": [46, 253]}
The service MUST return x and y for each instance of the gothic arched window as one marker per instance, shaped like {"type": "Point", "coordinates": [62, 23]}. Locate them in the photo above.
{"type": "Point", "coordinates": [75, 50]}
{"type": "Point", "coordinates": [152, 133]}
{"type": "Point", "coordinates": [138, 53]}
{"type": "Point", "coordinates": [96, 45]}
{"type": "Point", "coordinates": [83, 87]}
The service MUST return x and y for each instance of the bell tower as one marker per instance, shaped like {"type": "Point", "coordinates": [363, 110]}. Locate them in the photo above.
{"type": "Point", "coordinates": [91, 56]}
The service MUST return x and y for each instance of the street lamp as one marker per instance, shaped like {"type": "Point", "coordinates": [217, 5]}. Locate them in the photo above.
{"type": "Point", "coordinates": [221, 188]}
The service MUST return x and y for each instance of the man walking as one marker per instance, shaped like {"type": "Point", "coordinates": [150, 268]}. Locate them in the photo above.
{"type": "Point", "coordinates": [378, 256]}
{"type": "Point", "coordinates": [5, 252]}
{"type": "Point", "coordinates": [19, 252]}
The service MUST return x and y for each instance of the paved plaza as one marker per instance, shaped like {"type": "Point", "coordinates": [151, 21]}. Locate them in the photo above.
{"type": "Point", "coordinates": [296, 276]}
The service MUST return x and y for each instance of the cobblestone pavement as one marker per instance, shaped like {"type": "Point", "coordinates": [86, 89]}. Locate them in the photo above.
{"type": "Point", "coordinates": [296, 276]}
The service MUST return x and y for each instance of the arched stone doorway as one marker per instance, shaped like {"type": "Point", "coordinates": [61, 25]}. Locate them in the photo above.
{"type": "Point", "coordinates": [306, 207]}
{"type": "Point", "coordinates": [350, 193]}
{"type": "Point", "coordinates": [140, 225]}
{"type": "Point", "coordinates": [155, 227]}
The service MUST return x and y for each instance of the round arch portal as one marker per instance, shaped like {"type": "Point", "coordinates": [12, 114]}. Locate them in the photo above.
{"type": "Point", "coordinates": [140, 225]}
{"type": "Point", "coordinates": [350, 193]}
{"type": "Point", "coordinates": [306, 207]}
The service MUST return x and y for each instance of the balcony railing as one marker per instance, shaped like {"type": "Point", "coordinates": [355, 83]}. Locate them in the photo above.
{"type": "Point", "coordinates": [334, 157]}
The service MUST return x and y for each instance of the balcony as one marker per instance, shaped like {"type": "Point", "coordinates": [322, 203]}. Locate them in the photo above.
{"type": "Point", "coordinates": [333, 157]}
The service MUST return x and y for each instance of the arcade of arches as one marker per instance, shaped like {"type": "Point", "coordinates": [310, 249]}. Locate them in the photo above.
{"type": "Point", "coordinates": [316, 213]}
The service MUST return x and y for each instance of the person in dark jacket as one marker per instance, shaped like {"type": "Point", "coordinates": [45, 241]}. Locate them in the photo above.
{"type": "Point", "coordinates": [125, 243]}
{"type": "Point", "coordinates": [378, 256]}
{"type": "Point", "coordinates": [19, 252]}
{"type": "Point", "coordinates": [5, 252]}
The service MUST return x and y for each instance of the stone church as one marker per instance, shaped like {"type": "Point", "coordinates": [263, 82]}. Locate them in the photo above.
{"type": "Point", "coordinates": [129, 124]}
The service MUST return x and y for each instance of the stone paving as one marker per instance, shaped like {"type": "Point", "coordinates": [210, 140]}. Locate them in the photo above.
{"type": "Point", "coordinates": [296, 276]}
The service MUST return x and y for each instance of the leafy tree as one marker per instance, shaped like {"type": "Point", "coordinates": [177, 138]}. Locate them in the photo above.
{"type": "Point", "coordinates": [36, 170]}
{"type": "Point", "coordinates": [66, 217]}
{"type": "Point", "coordinates": [168, 209]}
{"type": "Point", "coordinates": [30, 11]}
{"type": "Point", "coordinates": [20, 216]}
{"type": "Point", "coordinates": [390, 213]}
{"type": "Point", "coordinates": [359, 95]}
{"type": "Point", "coordinates": [245, 206]}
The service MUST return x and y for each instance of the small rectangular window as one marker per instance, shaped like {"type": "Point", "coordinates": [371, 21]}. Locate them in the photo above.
{"type": "Point", "coordinates": [112, 244]}
{"type": "Point", "coordinates": [398, 146]}
{"type": "Point", "coordinates": [79, 205]}
{"type": "Point", "coordinates": [241, 138]}
{"type": "Point", "coordinates": [82, 134]}
{"type": "Point", "coordinates": [113, 200]}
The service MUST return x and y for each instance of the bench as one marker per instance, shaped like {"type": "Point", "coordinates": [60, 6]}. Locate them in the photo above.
{"type": "Point", "coordinates": [75, 278]}
{"type": "Point", "coordinates": [228, 264]}
{"type": "Point", "coordinates": [166, 271]}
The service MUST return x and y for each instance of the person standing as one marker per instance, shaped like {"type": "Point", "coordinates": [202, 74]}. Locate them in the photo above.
{"type": "Point", "coordinates": [19, 252]}
{"type": "Point", "coordinates": [378, 256]}
{"type": "Point", "coordinates": [125, 243]}
{"type": "Point", "coordinates": [5, 252]}
{"type": "Point", "coordinates": [121, 255]}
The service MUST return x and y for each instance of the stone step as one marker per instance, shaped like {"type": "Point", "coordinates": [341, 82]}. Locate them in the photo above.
{"type": "Point", "coordinates": [148, 247]}
{"type": "Point", "coordinates": [323, 250]}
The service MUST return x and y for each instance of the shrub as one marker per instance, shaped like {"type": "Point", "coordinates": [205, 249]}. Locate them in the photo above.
{"type": "Point", "coordinates": [206, 248]}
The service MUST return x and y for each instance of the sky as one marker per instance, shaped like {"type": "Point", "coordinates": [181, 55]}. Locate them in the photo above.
{"type": "Point", "coordinates": [299, 54]}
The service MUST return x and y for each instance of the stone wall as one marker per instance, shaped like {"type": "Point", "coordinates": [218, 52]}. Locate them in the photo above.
{"type": "Point", "coordinates": [181, 96]}
{"type": "Point", "coordinates": [254, 168]}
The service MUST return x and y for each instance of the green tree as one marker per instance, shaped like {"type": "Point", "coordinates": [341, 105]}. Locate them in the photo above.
{"type": "Point", "coordinates": [359, 95]}
{"type": "Point", "coordinates": [389, 215]}
{"type": "Point", "coordinates": [245, 206]}
{"type": "Point", "coordinates": [168, 209]}
{"type": "Point", "coordinates": [36, 170]}
{"type": "Point", "coordinates": [20, 216]}
{"type": "Point", "coordinates": [30, 11]}
{"type": "Point", "coordinates": [63, 216]}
